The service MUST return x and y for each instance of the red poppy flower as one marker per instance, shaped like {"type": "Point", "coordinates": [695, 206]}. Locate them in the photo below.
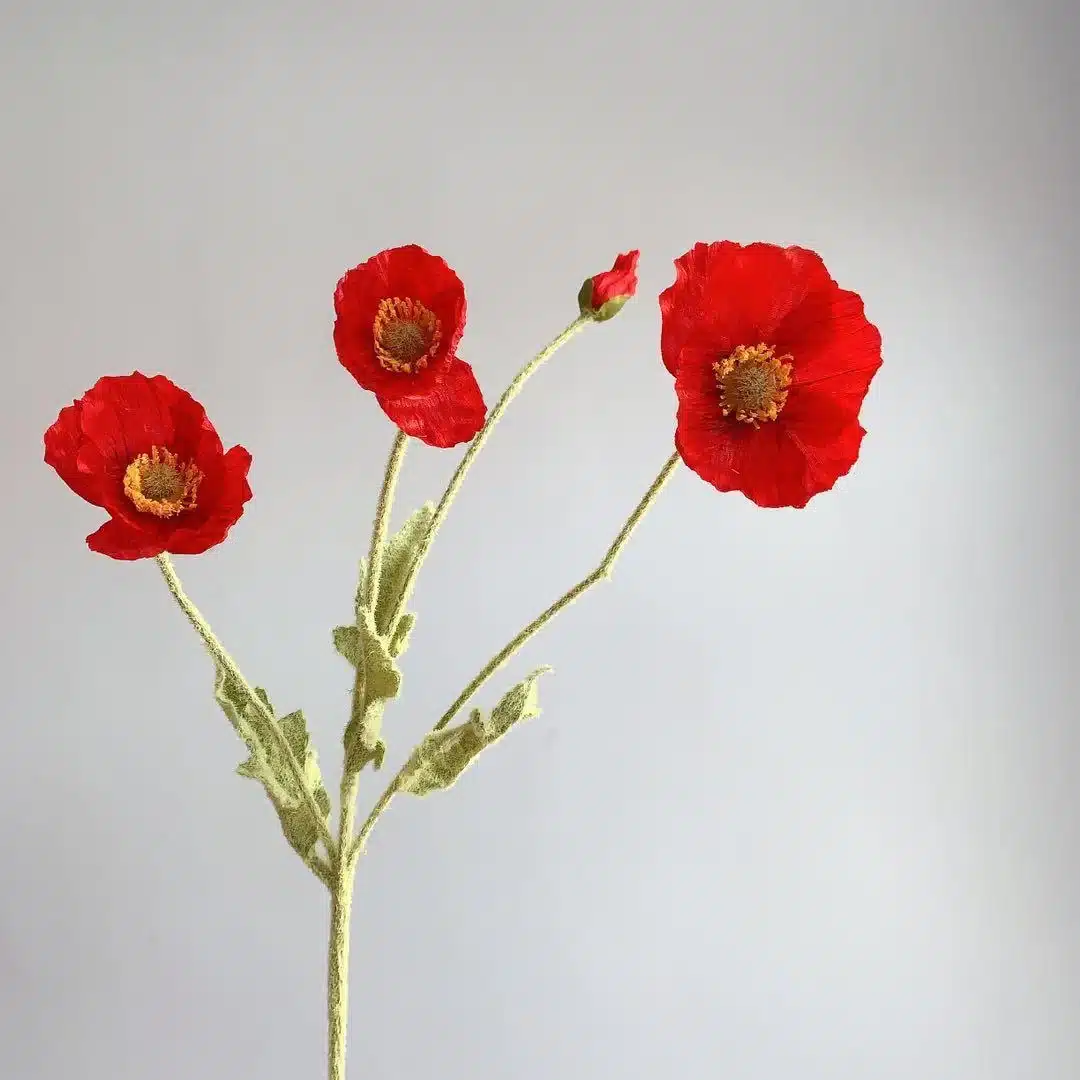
{"type": "Point", "coordinates": [143, 449]}
{"type": "Point", "coordinates": [400, 316]}
{"type": "Point", "coordinates": [772, 360]}
{"type": "Point", "coordinates": [603, 296]}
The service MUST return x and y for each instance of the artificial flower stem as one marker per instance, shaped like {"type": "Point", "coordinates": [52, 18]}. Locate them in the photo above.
{"type": "Point", "coordinates": [602, 571]}
{"type": "Point", "coordinates": [376, 813]}
{"type": "Point", "coordinates": [382, 519]}
{"type": "Point", "coordinates": [337, 968]}
{"type": "Point", "coordinates": [370, 597]}
{"type": "Point", "coordinates": [475, 447]}
{"type": "Point", "coordinates": [344, 866]}
{"type": "Point", "coordinates": [221, 657]}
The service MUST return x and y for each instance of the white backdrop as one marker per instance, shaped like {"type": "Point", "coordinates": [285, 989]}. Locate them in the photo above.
{"type": "Point", "coordinates": [802, 801]}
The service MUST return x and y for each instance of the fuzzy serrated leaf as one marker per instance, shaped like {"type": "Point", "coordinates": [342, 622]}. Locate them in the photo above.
{"type": "Point", "coordinates": [268, 764]}
{"type": "Point", "coordinates": [399, 554]}
{"type": "Point", "coordinates": [358, 753]}
{"type": "Point", "coordinates": [444, 755]}
{"type": "Point", "coordinates": [398, 557]}
{"type": "Point", "coordinates": [520, 702]}
{"type": "Point", "coordinates": [399, 640]}
{"type": "Point", "coordinates": [368, 652]}
{"type": "Point", "coordinates": [380, 680]}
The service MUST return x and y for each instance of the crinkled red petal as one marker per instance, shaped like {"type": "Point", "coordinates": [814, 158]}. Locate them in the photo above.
{"type": "Point", "coordinates": [833, 347]}
{"type": "Point", "coordinates": [785, 462]}
{"type": "Point", "coordinates": [620, 280]}
{"type": "Point", "coordinates": [79, 466]}
{"type": "Point", "coordinates": [452, 412]}
{"type": "Point", "coordinates": [120, 539]}
{"type": "Point", "coordinates": [224, 507]}
{"type": "Point", "coordinates": [726, 294]}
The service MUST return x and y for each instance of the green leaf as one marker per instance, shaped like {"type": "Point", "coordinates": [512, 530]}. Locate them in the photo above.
{"type": "Point", "coordinates": [358, 753]}
{"type": "Point", "coordinates": [268, 764]}
{"type": "Point", "coordinates": [372, 644]}
{"type": "Point", "coordinates": [520, 702]}
{"type": "Point", "coordinates": [444, 755]}
{"type": "Point", "coordinates": [369, 653]}
{"type": "Point", "coordinates": [398, 557]}
{"type": "Point", "coordinates": [399, 640]}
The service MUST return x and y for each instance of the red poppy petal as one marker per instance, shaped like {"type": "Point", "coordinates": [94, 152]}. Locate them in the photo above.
{"type": "Point", "coordinates": [709, 443]}
{"type": "Point", "coordinates": [683, 307]}
{"type": "Point", "coordinates": [76, 464]}
{"type": "Point", "coordinates": [196, 439]}
{"type": "Point", "coordinates": [620, 280]}
{"type": "Point", "coordinates": [832, 344]}
{"type": "Point", "coordinates": [412, 271]}
{"type": "Point", "coordinates": [121, 540]}
{"type": "Point", "coordinates": [815, 442]}
{"type": "Point", "coordinates": [726, 294]}
{"type": "Point", "coordinates": [761, 284]}
{"type": "Point", "coordinates": [223, 510]}
{"type": "Point", "coordinates": [125, 416]}
{"type": "Point", "coordinates": [774, 281]}
{"type": "Point", "coordinates": [356, 351]}
{"type": "Point", "coordinates": [773, 471]}
{"type": "Point", "coordinates": [760, 463]}
{"type": "Point", "coordinates": [786, 462]}
{"type": "Point", "coordinates": [452, 412]}
{"type": "Point", "coordinates": [826, 431]}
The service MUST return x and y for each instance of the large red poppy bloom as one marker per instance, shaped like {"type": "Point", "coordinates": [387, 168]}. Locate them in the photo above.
{"type": "Point", "coordinates": [400, 317]}
{"type": "Point", "coordinates": [772, 360]}
{"type": "Point", "coordinates": [143, 449]}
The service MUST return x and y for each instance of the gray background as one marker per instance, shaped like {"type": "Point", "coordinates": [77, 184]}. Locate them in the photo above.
{"type": "Point", "coordinates": [802, 802]}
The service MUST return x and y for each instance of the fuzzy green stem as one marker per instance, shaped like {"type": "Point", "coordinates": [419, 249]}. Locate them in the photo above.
{"type": "Point", "coordinates": [378, 546]}
{"type": "Point", "coordinates": [222, 658]}
{"type": "Point", "coordinates": [344, 865]}
{"type": "Point", "coordinates": [382, 519]}
{"type": "Point", "coordinates": [337, 968]}
{"type": "Point", "coordinates": [373, 817]}
{"type": "Point", "coordinates": [603, 570]}
{"type": "Point", "coordinates": [475, 447]}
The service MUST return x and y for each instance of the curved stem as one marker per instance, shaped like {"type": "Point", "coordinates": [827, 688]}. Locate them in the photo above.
{"type": "Point", "coordinates": [217, 651]}
{"type": "Point", "coordinates": [602, 571]}
{"type": "Point", "coordinates": [475, 447]}
{"type": "Point", "coordinates": [376, 813]}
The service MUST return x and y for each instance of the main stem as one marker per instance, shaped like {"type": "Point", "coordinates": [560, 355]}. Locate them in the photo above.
{"type": "Point", "coordinates": [343, 870]}
{"type": "Point", "coordinates": [337, 968]}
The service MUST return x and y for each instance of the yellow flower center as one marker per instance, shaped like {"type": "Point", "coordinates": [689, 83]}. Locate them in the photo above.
{"type": "Point", "coordinates": [157, 483]}
{"type": "Point", "coordinates": [407, 335]}
{"type": "Point", "coordinates": [753, 383]}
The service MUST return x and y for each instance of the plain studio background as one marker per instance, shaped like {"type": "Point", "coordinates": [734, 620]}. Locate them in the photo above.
{"type": "Point", "coordinates": [802, 801]}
